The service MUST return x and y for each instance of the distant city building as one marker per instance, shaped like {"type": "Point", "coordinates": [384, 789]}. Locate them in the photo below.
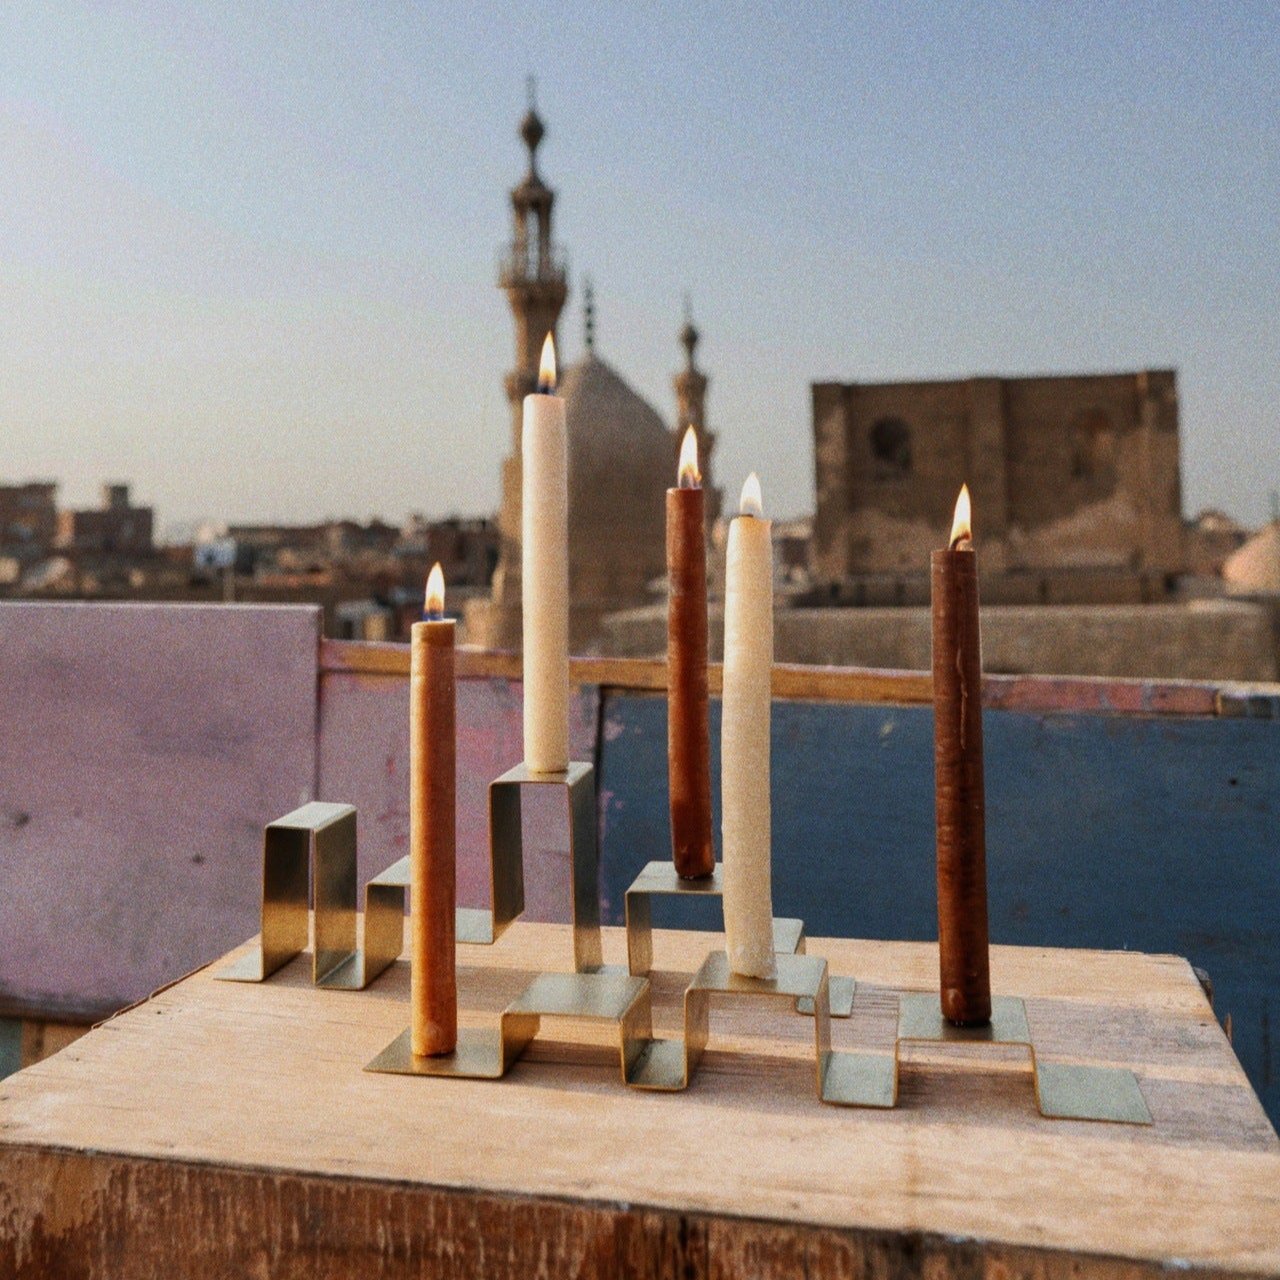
{"type": "Point", "coordinates": [622, 455]}
{"type": "Point", "coordinates": [116, 528]}
{"type": "Point", "coordinates": [1071, 473]}
{"type": "Point", "coordinates": [28, 518]}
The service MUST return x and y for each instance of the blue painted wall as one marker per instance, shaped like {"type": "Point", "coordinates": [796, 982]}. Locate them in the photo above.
{"type": "Point", "coordinates": [1153, 834]}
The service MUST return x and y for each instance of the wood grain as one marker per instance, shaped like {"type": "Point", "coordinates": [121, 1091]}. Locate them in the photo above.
{"type": "Point", "coordinates": [223, 1128]}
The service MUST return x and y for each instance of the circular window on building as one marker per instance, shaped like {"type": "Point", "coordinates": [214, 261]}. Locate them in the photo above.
{"type": "Point", "coordinates": [891, 448]}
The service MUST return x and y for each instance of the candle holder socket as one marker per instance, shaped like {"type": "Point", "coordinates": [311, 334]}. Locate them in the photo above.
{"type": "Point", "coordinates": [1064, 1090]}
{"type": "Point", "coordinates": [659, 879]}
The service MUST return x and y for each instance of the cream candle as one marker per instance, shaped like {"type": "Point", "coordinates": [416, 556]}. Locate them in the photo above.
{"type": "Point", "coordinates": [544, 522]}
{"type": "Point", "coordinates": [744, 739]}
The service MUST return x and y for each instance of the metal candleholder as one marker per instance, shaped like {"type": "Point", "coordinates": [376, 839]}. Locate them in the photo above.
{"type": "Point", "coordinates": [314, 847]}
{"type": "Point", "coordinates": [1063, 1090]}
{"type": "Point", "coordinates": [659, 879]}
{"type": "Point", "coordinates": [842, 1079]}
{"type": "Point", "coordinates": [646, 1062]}
{"type": "Point", "coordinates": [589, 993]}
{"type": "Point", "coordinates": [487, 1053]}
{"type": "Point", "coordinates": [506, 859]}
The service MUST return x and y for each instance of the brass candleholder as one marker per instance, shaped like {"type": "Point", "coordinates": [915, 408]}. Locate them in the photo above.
{"type": "Point", "coordinates": [659, 879]}
{"type": "Point", "coordinates": [588, 993]}
{"type": "Point", "coordinates": [1064, 1090]}
{"type": "Point", "coordinates": [314, 848]}
{"type": "Point", "coordinates": [312, 851]}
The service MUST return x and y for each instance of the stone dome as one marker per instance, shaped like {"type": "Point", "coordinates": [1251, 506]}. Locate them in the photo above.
{"type": "Point", "coordinates": [621, 462]}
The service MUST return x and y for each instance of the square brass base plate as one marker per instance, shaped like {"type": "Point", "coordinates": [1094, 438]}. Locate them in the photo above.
{"type": "Point", "coordinates": [1064, 1091]}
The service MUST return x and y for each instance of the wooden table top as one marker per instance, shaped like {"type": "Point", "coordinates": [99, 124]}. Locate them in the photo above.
{"type": "Point", "coordinates": [224, 1128]}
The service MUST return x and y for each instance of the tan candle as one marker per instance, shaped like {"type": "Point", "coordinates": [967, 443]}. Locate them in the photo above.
{"type": "Point", "coordinates": [964, 971]}
{"type": "Point", "coordinates": [688, 731]}
{"type": "Point", "coordinates": [744, 741]}
{"type": "Point", "coordinates": [544, 508]}
{"type": "Point", "coordinates": [432, 818]}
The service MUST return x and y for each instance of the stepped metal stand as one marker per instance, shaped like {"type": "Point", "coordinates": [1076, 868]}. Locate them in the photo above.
{"type": "Point", "coordinates": [1064, 1091]}
{"type": "Point", "coordinates": [659, 879]}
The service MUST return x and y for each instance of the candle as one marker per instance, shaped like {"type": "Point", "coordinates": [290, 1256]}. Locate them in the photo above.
{"type": "Point", "coordinates": [965, 982]}
{"type": "Point", "coordinates": [433, 987]}
{"type": "Point", "coordinates": [544, 518]}
{"type": "Point", "coordinates": [688, 733]}
{"type": "Point", "coordinates": [744, 742]}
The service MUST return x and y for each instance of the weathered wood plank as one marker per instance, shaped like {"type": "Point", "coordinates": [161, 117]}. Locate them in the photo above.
{"type": "Point", "coordinates": [231, 1125]}
{"type": "Point", "coordinates": [850, 684]}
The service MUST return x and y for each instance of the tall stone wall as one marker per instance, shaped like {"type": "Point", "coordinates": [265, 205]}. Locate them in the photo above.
{"type": "Point", "coordinates": [1210, 640]}
{"type": "Point", "coordinates": [1065, 472]}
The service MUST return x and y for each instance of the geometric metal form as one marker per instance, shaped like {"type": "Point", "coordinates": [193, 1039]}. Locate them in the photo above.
{"type": "Point", "coordinates": [487, 1053]}
{"type": "Point", "coordinates": [315, 846]}
{"type": "Point", "coordinates": [659, 879]}
{"type": "Point", "coordinates": [843, 1079]}
{"type": "Point", "coordinates": [1063, 1090]}
{"type": "Point", "coordinates": [506, 860]}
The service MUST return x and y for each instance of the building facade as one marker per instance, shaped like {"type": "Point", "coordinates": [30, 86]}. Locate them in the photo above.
{"type": "Point", "coordinates": [1073, 473]}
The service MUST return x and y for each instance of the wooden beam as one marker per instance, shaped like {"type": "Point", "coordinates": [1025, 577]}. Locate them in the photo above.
{"type": "Point", "coordinates": [1099, 695]}
{"type": "Point", "coordinates": [790, 680]}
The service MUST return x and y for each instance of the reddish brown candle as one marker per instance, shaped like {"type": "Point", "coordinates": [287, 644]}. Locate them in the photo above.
{"type": "Point", "coordinates": [688, 733]}
{"type": "Point", "coordinates": [965, 984]}
{"type": "Point", "coordinates": [432, 817]}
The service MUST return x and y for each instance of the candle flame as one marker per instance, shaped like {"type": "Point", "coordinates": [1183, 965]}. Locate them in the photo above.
{"type": "Point", "coordinates": [689, 475]}
{"type": "Point", "coordinates": [962, 524]}
{"type": "Point", "coordinates": [752, 501]}
{"type": "Point", "coordinates": [433, 609]}
{"type": "Point", "coordinates": [547, 367]}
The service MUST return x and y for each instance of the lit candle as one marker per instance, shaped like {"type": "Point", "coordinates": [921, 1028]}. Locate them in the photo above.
{"type": "Point", "coordinates": [544, 507]}
{"type": "Point", "coordinates": [433, 987]}
{"type": "Point", "coordinates": [688, 733]}
{"type": "Point", "coordinates": [965, 981]}
{"type": "Point", "coordinates": [744, 743]}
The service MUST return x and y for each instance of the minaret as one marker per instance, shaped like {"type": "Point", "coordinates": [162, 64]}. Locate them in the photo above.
{"type": "Point", "coordinates": [691, 410]}
{"type": "Point", "coordinates": [532, 274]}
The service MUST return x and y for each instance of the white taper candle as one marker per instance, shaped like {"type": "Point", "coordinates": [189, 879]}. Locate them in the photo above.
{"type": "Point", "coordinates": [744, 740]}
{"type": "Point", "coordinates": [544, 519]}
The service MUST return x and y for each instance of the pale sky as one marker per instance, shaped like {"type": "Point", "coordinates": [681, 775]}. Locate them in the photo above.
{"type": "Point", "coordinates": [247, 252]}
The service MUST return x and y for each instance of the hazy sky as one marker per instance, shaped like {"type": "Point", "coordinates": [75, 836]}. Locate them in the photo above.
{"type": "Point", "coordinates": [247, 252]}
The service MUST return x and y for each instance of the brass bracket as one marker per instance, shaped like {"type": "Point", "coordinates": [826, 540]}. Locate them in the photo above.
{"type": "Point", "coordinates": [315, 846]}
{"type": "Point", "coordinates": [506, 860]}
{"type": "Point", "coordinates": [314, 849]}
{"type": "Point", "coordinates": [659, 879]}
{"type": "Point", "coordinates": [487, 1053]}
{"type": "Point", "coordinates": [1063, 1090]}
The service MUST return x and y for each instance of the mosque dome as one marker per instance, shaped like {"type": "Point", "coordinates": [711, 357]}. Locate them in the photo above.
{"type": "Point", "coordinates": [621, 462]}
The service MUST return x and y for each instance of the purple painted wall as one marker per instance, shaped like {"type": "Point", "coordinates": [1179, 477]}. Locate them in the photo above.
{"type": "Point", "coordinates": [142, 750]}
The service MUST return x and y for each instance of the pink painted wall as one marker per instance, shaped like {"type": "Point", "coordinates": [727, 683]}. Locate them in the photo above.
{"type": "Point", "coordinates": [142, 750]}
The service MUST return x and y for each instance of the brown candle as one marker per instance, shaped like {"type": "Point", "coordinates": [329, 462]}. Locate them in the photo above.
{"type": "Point", "coordinates": [688, 733]}
{"type": "Point", "coordinates": [965, 984]}
{"type": "Point", "coordinates": [432, 816]}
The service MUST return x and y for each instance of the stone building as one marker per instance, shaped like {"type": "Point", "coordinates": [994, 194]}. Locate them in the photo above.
{"type": "Point", "coordinates": [116, 528]}
{"type": "Point", "coordinates": [28, 518]}
{"type": "Point", "coordinates": [622, 455]}
{"type": "Point", "coordinates": [1072, 475]}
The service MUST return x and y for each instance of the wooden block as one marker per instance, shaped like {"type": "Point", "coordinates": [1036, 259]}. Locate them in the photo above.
{"type": "Point", "coordinates": [222, 1128]}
